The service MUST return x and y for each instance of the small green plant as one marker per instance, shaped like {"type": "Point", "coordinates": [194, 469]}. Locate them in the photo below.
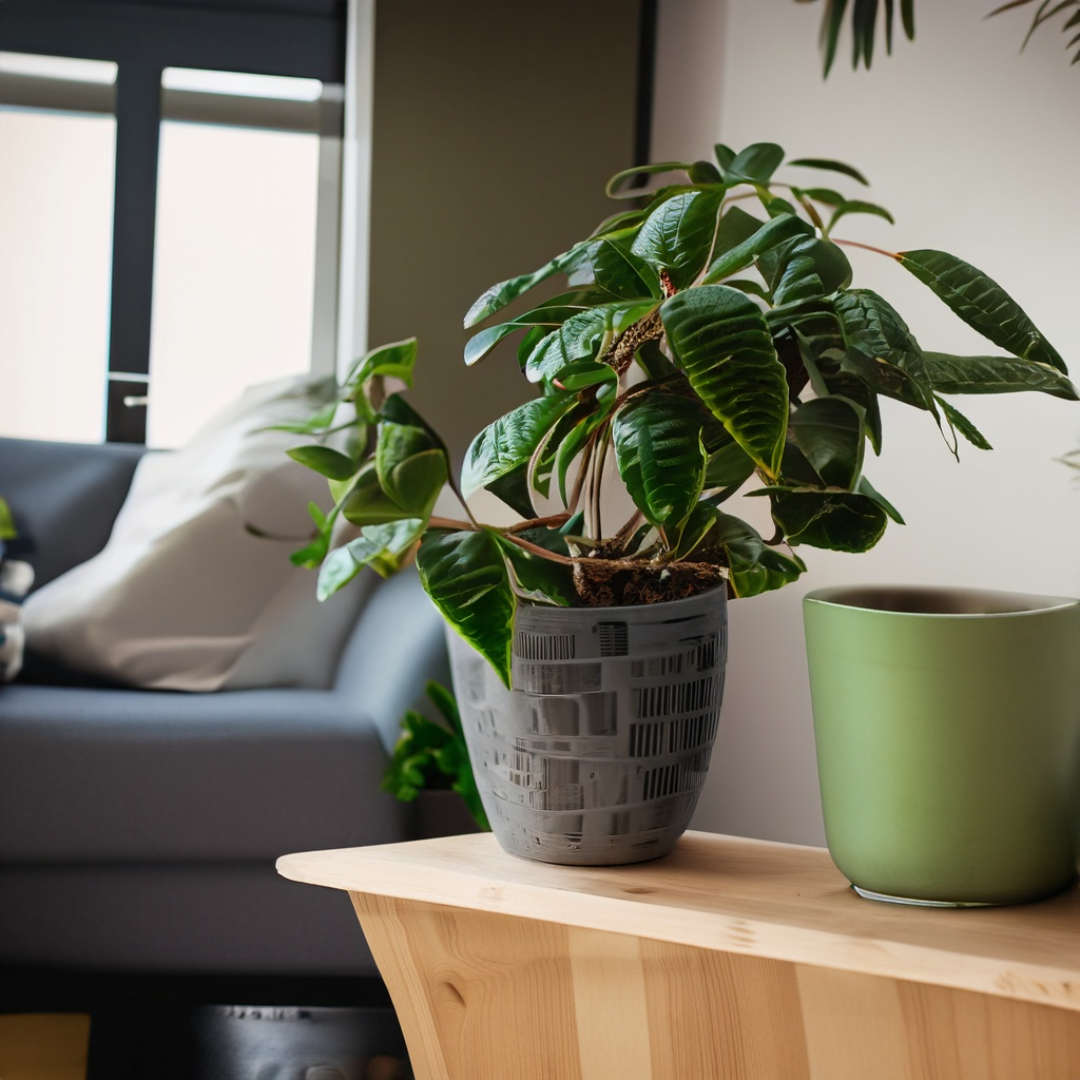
{"type": "Point", "coordinates": [7, 522]}
{"type": "Point", "coordinates": [864, 23]}
{"type": "Point", "coordinates": [431, 755]}
{"type": "Point", "coordinates": [700, 354]}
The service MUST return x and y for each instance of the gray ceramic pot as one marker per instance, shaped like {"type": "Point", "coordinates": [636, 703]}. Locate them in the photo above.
{"type": "Point", "coordinates": [598, 754]}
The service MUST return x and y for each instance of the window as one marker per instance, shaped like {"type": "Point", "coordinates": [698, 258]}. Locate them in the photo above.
{"type": "Point", "coordinates": [169, 220]}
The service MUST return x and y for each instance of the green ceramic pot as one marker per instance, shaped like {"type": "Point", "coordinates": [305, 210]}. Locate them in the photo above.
{"type": "Point", "coordinates": [947, 724]}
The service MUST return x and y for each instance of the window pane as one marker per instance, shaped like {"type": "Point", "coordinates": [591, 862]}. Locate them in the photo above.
{"type": "Point", "coordinates": [56, 205]}
{"type": "Point", "coordinates": [234, 267]}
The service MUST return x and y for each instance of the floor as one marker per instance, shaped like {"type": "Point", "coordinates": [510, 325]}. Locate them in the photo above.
{"type": "Point", "coordinates": [146, 1027]}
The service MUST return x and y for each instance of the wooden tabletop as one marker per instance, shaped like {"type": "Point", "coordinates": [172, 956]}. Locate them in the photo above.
{"type": "Point", "coordinates": [735, 895]}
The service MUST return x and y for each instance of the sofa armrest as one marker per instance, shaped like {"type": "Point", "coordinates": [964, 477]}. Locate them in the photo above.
{"type": "Point", "coordinates": [398, 644]}
{"type": "Point", "coordinates": [64, 497]}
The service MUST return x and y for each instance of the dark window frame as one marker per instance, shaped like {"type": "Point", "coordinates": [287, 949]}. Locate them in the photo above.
{"type": "Point", "coordinates": [265, 37]}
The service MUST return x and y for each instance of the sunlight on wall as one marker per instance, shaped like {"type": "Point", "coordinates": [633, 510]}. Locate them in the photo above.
{"type": "Point", "coordinates": [973, 147]}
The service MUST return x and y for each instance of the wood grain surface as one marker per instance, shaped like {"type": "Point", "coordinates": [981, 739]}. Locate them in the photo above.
{"type": "Point", "coordinates": [728, 960]}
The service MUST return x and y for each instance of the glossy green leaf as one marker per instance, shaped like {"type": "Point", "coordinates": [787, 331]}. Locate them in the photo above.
{"type": "Point", "coordinates": [881, 349]}
{"type": "Point", "coordinates": [325, 461]}
{"type": "Point", "coordinates": [698, 526]}
{"type": "Point", "coordinates": [866, 488]}
{"type": "Point", "coordinates": [831, 434]}
{"type": "Point", "coordinates": [465, 576]}
{"type": "Point", "coordinates": [756, 163]}
{"type": "Point", "coordinates": [857, 206]}
{"type": "Point", "coordinates": [960, 423]}
{"type": "Point", "coordinates": [804, 269]}
{"type": "Point", "coordinates": [994, 375]}
{"type": "Point", "coordinates": [841, 521]}
{"type": "Point", "coordinates": [396, 443]}
{"type": "Point", "coordinates": [383, 547]}
{"type": "Point", "coordinates": [831, 166]}
{"type": "Point", "coordinates": [587, 335]}
{"type": "Point", "coordinates": [770, 235]}
{"type": "Point", "coordinates": [981, 303]}
{"type": "Point", "coordinates": [610, 264]}
{"type": "Point", "coordinates": [753, 567]}
{"type": "Point", "coordinates": [614, 188]}
{"type": "Point", "coordinates": [505, 292]}
{"type": "Point", "coordinates": [396, 361]}
{"type": "Point", "coordinates": [574, 442]}
{"type": "Point", "coordinates": [509, 442]}
{"type": "Point", "coordinates": [540, 580]}
{"type": "Point", "coordinates": [660, 457]}
{"type": "Point", "coordinates": [721, 340]}
{"type": "Point", "coordinates": [367, 504]}
{"type": "Point", "coordinates": [677, 236]}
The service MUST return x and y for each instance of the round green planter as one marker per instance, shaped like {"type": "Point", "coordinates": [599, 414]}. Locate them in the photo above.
{"type": "Point", "coordinates": [947, 724]}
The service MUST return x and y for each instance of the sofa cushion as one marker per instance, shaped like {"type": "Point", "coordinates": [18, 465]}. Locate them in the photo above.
{"type": "Point", "coordinates": [194, 589]}
{"type": "Point", "coordinates": [150, 776]}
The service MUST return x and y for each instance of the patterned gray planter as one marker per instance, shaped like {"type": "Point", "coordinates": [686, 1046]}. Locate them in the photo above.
{"type": "Point", "coordinates": [598, 754]}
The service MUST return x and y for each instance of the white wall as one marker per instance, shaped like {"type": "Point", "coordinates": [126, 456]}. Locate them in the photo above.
{"type": "Point", "coordinates": [975, 150]}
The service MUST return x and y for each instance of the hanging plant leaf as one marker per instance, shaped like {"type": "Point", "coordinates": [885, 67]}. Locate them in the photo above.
{"type": "Point", "coordinates": [831, 433]}
{"type": "Point", "coordinates": [840, 521]}
{"type": "Point", "coordinates": [994, 375]}
{"type": "Point", "coordinates": [465, 576]}
{"type": "Point", "coordinates": [768, 236]}
{"type": "Point", "coordinates": [982, 303]}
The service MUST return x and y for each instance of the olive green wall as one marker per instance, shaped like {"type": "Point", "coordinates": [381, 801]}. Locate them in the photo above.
{"type": "Point", "coordinates": [496, 126]}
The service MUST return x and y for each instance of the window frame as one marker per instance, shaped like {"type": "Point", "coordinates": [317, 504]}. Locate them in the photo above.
{"type": "Point", "coordinates": [143, 37]}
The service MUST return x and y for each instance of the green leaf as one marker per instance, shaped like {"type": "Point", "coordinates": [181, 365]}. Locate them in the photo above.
{"type": "Point", "coordinates": [610, 264]}
{"type": "Point", "coordinates": [994, 375]}
{"type": "Point", "coordinates": [856, 206]}
{"type": "Point", "coordinates": [612, 191]}
{"type": "Point", "coordinates": [574, 442]}
{"type": "Point", "coordinates": [831, 433]}
{"type": "Point", "coordinates": [804, 269]}
{"type": "Point", "coordinates": [7, 522]}
{"type": "Point", "coordinates": [837, 521]}
{"type": "Point", "coordinates": [541, 580]}
{"type": "Point", "coordinates": [465, 576]}
{"type": "Point", "coordinates": [753, 567]}
{"type": "Point", "coordinates": [728, 464]}
{"type": "Point", "coordinates": [866, 488]}
{"type": "Point", "coordinates": [585, 336]}
{"type": "Point", "coordinates": [831, 166]}
{"type": "Point", "coordinates": [721, 340]}
{"type": "Point", "coordinates": [382, 546]}
{"type": "Point", "coordinates": [396, 360]}
{"type": "Point", "coordinates": [881, 349]}
{"type": "Point", "coordinates": [660, 456]}
{"type": "Point", "coordinates": [509, 442]}
{"type": "Point", "coordinates": [326, 462]}
{"type": "Point", "coordinates": [505, 292]}
{"type": "Point", "coordinates": [770, 235]}
{"type": "Point", "coordinates": [959, 422]}
{"type": "Point", "coordinates": [832, 21]}
{"type": "Point", "coordinates": [677, 236]}
{"type": "Point", "coordinates": [367, 504]}
{"type": "Point", "coordinates": [315, 424]}
{"type": "Point", "coordinates": [982, 304]}
{"type": "Point", "coordinates": [756, 164]}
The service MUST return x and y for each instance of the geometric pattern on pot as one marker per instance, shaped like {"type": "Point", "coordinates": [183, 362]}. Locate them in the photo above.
{"type": "Point", "coordinates": [598, 754]}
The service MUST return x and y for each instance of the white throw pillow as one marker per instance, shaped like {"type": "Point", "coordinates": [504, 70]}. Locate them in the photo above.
{"type": "Point", "coordinates": [194, 589]}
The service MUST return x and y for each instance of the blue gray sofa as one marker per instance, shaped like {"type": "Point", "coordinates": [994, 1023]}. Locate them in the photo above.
{"type": "Point", "coordinates": [138, 828]}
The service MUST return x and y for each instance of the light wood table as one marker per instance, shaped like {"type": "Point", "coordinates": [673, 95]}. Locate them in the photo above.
{"type": "Point", "coordinates": [727, 960]}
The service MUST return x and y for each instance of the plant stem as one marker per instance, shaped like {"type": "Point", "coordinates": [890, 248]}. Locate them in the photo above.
{"type": "Point", "coordinates": [552, 521]}
{"type": "Point", "coordinates": [452, 523]}
{"type": "Point", "coordinates": [868, 247]}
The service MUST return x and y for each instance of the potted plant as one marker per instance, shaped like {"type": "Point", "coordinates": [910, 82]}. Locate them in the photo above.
{"type": "Point", "coordinates": [699, 354]}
